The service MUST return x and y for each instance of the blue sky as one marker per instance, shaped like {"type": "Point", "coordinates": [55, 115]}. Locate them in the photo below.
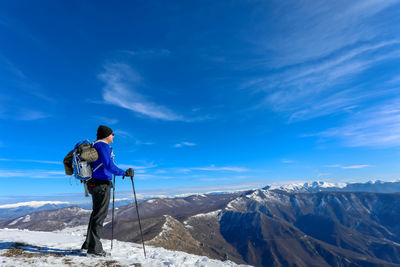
{"type": "Point", "coordinates": [202, 95]}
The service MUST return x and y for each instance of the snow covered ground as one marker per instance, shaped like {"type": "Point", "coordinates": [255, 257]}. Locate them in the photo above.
{"type": "Point", "coordinates": [31, 248]}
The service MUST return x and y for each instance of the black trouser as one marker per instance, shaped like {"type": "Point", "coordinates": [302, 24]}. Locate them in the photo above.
{"type": "Point", "coordinates": [101, 200]}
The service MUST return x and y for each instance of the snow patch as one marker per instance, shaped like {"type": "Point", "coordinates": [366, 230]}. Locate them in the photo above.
{"type": "Point", "coordinates": [15, 221]}
{"type": "Point", "coordinates": [80, 230]}
{"type": "Point", "coordinates": [209, 214]}
{"type": "Point", "coordinates": [214, 213]}
{"type": "Point", "coordinates": [191, 194]}
{"type": "Point", "coordinates": [306, 186]}
{"type": "Point", "coordinates": [27, 218]}
{"type": "Point", "coordinates": [124, 253]}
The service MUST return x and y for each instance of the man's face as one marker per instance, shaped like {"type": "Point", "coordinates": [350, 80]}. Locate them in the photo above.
{"type": "Point", "coordinates": [109, 139]}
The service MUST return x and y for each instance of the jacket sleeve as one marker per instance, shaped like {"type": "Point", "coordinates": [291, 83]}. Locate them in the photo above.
{"type": "Point", "coordinates": [105, 157]}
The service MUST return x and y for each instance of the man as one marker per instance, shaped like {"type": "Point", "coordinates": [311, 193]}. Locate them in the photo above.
{"type": "Point", "coordinates": [99, 187]}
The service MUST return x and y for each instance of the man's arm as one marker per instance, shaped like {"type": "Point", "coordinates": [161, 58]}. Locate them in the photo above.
{"type": "Point", "coordinates": [105, 157]}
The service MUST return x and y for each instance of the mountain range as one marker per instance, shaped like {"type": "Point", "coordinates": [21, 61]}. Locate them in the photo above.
{"type": "Point", "coordinates": [316, 224]}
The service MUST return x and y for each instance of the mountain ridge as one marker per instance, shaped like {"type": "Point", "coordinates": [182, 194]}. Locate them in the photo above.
{"type": "Point", "coordinates": [261, 227]}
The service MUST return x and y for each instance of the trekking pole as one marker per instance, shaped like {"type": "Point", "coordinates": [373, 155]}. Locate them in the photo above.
{"type": "Point", "coordinates": [112, 218]}
{"type": "Point", "coordinates": [137, 210]}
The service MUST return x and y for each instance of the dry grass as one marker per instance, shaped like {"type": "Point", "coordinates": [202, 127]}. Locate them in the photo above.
{"type": "Point", "coordinates": [18, 251]}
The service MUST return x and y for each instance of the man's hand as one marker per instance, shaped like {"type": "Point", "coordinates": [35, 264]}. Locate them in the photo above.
{"type": "Point", "coordinates": [130, 172]}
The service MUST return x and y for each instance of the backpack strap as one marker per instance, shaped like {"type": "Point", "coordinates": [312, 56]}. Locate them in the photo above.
{"type": "Point", "coordinates": [101, 164]}
{"type": "Point", "coordinates": [95, 169]}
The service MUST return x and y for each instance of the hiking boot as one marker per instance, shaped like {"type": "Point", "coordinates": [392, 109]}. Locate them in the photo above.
{"type": "Point", "coordinates": [98, 254]}
{"type": "Point", "coordinates": [84, 246]}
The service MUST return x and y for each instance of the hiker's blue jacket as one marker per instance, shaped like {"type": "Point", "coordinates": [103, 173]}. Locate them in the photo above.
{"type": "Point", "coordinates": [108, 168]}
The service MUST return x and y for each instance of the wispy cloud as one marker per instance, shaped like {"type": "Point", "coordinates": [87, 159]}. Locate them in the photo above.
{"type": "Point", "coordinates": [377, 126]}
{"type": "Point", "coordinates": [312, 69]}
{"type": "Point", "coordinates": [148, 53]}
{"type": "Point", "coordinates": [325, 87]}
{"type": "Point", "coordinates": [16, 77]}
{"type": "Point", "coordinates": [287, 161]}
{"type": "Point", "coordinates": [182, 144]}
{"type": "Point", "coordinates": [32, 160]}
{"type": "Point", "coordinates": [106, 120]}
{"type": "Point", "coordinates": [148, 176]}
{"type": "Point", "coordinates": [121, 89]}
{"type": "Point", "coordinates": [31, 115]}
{"type": "Point", "coordinates": [213, 168]}
{"type": "Point", "coordinates": [32, 174]}
{"type": "Point", "coordinates": [364, 9]}
{"type": "Point", "coordinates": [123, 133]}
{"type": "Point", "coordinates": [394, 81]}
{"type": "Point", "coordinates": [139, 142]}
{"type": "Point", "coordinates": [138, 167]}
{"type": "Point", "coordinates": [313, 30]}
{"type": "Point", "coordinates": [20, 108]}
{"type": "Point", "coordinates": [349, 166]}
{"type": "Point", "coordinates": [355, 167]}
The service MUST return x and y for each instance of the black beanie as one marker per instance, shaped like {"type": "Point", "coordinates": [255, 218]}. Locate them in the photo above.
{"type": "Point", "coordinates": [103, 132]}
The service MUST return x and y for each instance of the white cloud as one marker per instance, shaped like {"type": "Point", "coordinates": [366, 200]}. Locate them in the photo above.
{"type": "Point", "coordinates": [23, 114]}
{"type": "Point", "coordinates": [367, 8]}
{"type": "Point", "coordinates": [31, 115]}
{"type": "Point", "coordinates": [349, 166]}
{"type": "Point", "coordinates": [33, 161]}
{"type": "Point", "coordinates": [139, 142]}
{"type": "Point", "coordinates": [355, 166]}
{"type": "Point", "coordinates": [287, 161]}
{"type": "Point", "coordinates": [144, 176]}
{"type": "Point", "coordinates": [34, 174]}
{"type": "Point", "coordinates": [123, 133]}
{"type": "Point", "coordinates": [182, 144]}
{"type": "Point", "coordinates": [138, 167]}
{"type": "Point", "coordinates": [306, 30]}
{"type": "Point", "coordinates": [121, 89]}
{"type": "Point", "coordinates": [376, 126]}
{"type": "Point", "coordinates": [394, 81]}
{"type": "Point", "coordinates": [106, 120]}
{"type": "Point", "coordinates": [315, 51]}
{"type": "Point", "coordinates": [318, 89]}
{"type": "Point", "coordinates": [214, 168]}
{"type": "Point", "coordinates": [333, 166]}
{"type": "Point", "coordinates": [220, 179]}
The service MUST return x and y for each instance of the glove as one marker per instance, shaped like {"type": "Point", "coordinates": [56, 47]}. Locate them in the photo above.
{"type": "Point", "coordinates": [130, 172]}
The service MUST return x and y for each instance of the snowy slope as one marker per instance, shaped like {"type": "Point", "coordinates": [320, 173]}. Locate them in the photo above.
{"type": "Point", "coordinates": [30, 248]}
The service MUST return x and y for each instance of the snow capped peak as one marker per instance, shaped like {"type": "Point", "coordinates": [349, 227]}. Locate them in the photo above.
{"type": "Point", "coordinates": [33, 204]}
{"type": "Point", "coordinates": [375, 182]}
{"type": "Point", "coordinates": [312, 186]}
{"type": "Point", "coordinates": [324, 184]}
